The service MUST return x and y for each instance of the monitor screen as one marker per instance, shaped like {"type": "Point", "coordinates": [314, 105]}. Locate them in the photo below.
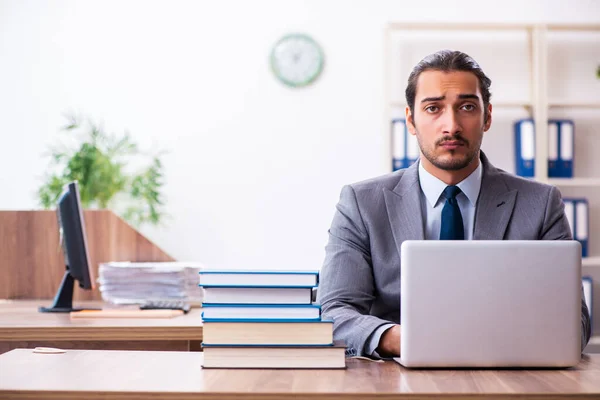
{"type": "Point", "coordinates": [72, 233]}
{"type": "Point", "coordinates": [74, 244]}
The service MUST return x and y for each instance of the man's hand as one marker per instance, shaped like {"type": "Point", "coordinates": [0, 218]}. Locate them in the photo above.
{"type": "Point", "coordinates": [389, 344]}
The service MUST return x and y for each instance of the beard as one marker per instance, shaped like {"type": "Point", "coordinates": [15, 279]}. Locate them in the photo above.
{"type": "Point", "coordinates": [457, 159]}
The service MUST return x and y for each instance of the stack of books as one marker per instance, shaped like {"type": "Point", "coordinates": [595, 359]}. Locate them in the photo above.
{"type": "Point", "coordinates": [265, 319]}
{"type": "Point", "coordinates": [139, 282]}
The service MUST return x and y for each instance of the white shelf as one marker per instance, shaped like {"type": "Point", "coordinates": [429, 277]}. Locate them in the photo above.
{"type": "Point", "coordinates": [557, 104]}
{"type": "Point", "coordinates": [590, 262]}
{"type": "Point", "coordinates": [581, 182]}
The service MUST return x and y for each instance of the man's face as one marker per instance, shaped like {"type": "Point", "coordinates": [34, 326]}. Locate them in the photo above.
{"type": "Point", "coordinates": [448, 118]}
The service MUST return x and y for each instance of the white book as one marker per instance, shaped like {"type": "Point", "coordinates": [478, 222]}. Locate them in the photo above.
{"type": "Point", "coordinates": [275, 356]}
{"type": "Point", "coordinates": [260, 312]}
{"type": "Point", "coordinates": [265, 278]}
{"type": "Point", "coordinates": [246, 295]}
{"type": "Point", "coordinates": [267, 333]}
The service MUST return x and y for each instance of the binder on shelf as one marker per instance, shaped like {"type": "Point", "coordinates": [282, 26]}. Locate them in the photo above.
{"type": "Point", "coordinates": [577, 212]}
{"type": "Point", "coordinates": [525, 147]}
{"type": "Point", "coordinates": [588, 293]}
{"type": "Point", "coordinates": [405, 148]}
{"type": "Point", "coordinates": [561, 144]}
{"type": "Point", "coordinates": [553, 146]}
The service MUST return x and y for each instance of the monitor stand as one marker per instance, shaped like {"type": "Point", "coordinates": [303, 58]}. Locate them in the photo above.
{"type": "Point", "coordinates": [63, 301]}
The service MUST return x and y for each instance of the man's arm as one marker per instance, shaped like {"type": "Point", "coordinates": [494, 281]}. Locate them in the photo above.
{"type": "Point", "coordinates": [346, 286]}
{"type": "Point", "coordinates": [556, 227]}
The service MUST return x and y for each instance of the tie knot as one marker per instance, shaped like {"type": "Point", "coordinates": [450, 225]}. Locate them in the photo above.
{"type": "Point", "coordinates": [451, 192]}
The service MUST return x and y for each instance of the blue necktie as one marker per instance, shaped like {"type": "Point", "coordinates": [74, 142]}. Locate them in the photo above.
{"type": "Point", "coordinates": [452, 223]}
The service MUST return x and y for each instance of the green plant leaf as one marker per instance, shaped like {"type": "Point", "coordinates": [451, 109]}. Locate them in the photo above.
{"type": "Point", "coordinates": [98, 163]}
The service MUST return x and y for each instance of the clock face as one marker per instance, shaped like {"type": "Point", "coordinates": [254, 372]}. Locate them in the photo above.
{"type": "Point", "coordinates": [297, 60]}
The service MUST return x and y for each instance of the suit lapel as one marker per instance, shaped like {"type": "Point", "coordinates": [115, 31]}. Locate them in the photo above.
{"type": "Point", "coordinates": [494, 206]}
{"type": "Point", "coordinates": [403, 206]}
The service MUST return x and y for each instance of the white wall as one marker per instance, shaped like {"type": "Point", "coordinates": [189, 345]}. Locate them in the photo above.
{"type": "Point", "coordinates": [254, 169]}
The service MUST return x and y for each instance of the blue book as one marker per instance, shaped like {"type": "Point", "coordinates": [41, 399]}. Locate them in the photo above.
{"type": "Point", "coordinates": [254, 312]}
{"type": "Point", "coordinates": [525, 148]}
{"type": "Point", "coordinates": [577, 212]}
{"type": "Point", "coordinates": [258, 278]}
{"type": "Point", "coordinates": [405, 147]}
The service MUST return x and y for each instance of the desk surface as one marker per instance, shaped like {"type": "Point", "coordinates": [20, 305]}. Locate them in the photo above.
{"type": "Point", "coordinates": [21, 321]}
{"type": "Point", "coordinates": [94, 374]}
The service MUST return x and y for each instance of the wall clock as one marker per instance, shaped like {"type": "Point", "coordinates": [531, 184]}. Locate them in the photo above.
{"type": "Point", "coordinates": [297, 60]}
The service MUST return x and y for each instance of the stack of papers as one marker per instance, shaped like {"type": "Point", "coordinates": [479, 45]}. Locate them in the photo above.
{"type": "Point", "coordinates": [138, 282]}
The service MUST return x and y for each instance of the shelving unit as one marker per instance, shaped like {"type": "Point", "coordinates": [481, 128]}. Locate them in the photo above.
{"type": "Point", "coordinates": [574, 182]}
{"type": "Point", "coordinates": [573, 105]}
{"type": "Point", "coordinates": [526, 64]}
{"type": "Point", "coordinates": [590, 262]}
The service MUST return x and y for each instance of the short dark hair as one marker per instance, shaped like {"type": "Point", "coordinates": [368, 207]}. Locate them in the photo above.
{"type": "Point", "coordinates": [447, 61]}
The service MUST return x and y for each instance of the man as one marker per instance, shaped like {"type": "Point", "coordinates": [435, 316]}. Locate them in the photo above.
{"type": "Point", "coordinates": [452, 192]}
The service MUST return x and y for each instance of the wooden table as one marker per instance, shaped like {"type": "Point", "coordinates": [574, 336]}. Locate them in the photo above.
{"type": "Point", "coordinates": [22, 326]}
{"type": "Point", "coordinates": [102, 374]}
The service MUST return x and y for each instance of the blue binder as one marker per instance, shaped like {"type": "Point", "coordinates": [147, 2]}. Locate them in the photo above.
{"type": "Point", "coordinates": [553, 149]}
{"type": "Point", "coordinates": [588, 294]}
{"type": "Point", "coordinates": [561, 145]}
{"type": "Point", "coordinates": [524, 147]}
{"type": "Point", "coordinates": [405, 148]}
{"type": "Point", "coordinates": [577, 212]}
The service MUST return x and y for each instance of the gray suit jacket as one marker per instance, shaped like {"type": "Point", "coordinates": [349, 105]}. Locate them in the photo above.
{"type": "Point", "coordinates": [360, 279]}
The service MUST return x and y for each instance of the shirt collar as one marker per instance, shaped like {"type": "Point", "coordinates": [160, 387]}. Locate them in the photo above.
{"type": "Point", "coordinates": [432, 187]}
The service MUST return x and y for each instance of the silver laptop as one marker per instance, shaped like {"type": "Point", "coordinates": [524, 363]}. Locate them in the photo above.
{"type": "Point", "coordinates": [490, 304]}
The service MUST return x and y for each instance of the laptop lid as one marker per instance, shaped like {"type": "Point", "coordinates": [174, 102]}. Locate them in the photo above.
{"type": "Point", "coordinates": [490, 303]}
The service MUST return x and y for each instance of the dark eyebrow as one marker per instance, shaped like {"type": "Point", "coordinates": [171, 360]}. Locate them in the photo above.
{"type": "Point", "coordinates": [426, 99]}
{"type": "Point", "coordinates": [460, 96]}
{"type": "Point", "coordinates": [468, 96]}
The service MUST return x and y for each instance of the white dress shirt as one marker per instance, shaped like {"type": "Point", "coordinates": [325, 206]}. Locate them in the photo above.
{"type": "Point", "coordinates": [433, 201]}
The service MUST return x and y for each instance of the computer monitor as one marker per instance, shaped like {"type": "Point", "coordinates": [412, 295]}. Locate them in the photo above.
{"type": "Point", "coordinates": [74, 245]}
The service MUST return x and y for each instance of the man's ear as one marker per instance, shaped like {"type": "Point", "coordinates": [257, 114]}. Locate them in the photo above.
{"type": "Point", "coordinates": [488, 120]}
{"type": "Point", "coordinates": [410, 121]}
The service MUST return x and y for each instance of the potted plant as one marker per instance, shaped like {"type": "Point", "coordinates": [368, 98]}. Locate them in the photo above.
{"type": "Point", "coordinates": [102, 163]}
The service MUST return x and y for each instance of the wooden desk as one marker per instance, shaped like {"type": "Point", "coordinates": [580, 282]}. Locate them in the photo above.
{"type": "Point", "coordinates": [21, 325]}
{"type": "Point", "coordinates": [93, 374]}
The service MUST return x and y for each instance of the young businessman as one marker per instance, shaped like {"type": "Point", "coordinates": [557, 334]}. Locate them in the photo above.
{"type": "Point", "coordinates": [452, 192]}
